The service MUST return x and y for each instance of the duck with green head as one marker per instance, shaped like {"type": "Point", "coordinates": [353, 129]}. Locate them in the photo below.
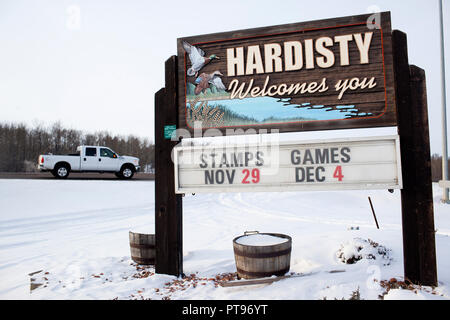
{"type": "Point", "coordinates": [197, 58]}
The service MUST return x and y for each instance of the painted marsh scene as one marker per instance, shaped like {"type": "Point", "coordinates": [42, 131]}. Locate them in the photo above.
{"type": "Point", "coordinates": [221, 111]}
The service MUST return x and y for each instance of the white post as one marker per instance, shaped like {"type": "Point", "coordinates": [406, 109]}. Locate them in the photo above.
{"type": "Point", "coordinates": [445, 197]}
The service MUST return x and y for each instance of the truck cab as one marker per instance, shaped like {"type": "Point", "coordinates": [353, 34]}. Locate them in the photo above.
{"type": "Point", "coordinates": [98, 159]}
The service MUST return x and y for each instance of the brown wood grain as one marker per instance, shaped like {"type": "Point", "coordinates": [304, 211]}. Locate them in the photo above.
{"type": "Point", "coordinates": [419, 252]}
{"type": "Point", "coordinates": [378, 102]}
{"type": "Point", "coordinates": [168, 205]}
{"type": "Point", "coordinates": [142, 248]}
{"type": "Point", "coordinates": [254, 261]}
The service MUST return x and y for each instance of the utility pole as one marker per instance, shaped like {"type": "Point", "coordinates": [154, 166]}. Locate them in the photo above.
{"type": "Point", "coordinates": [445, 196]}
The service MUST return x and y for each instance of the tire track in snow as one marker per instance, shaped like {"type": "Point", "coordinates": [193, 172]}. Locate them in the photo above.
{"type": "Point", "coordinates": [79, 217]}
{"type": "Point", "coordinates": [238, 203]}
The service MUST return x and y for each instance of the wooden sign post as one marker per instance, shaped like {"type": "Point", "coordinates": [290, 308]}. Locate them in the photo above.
{"type": "Point", "coordinates": [419, 253]}
{"type": "Point", "coordinates": [168, 205]}
{"type": "Point", "coordinates": [329, 74]}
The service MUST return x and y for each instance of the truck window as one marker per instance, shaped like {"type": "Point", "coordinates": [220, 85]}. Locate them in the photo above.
{"type": "Point", "coordinates": [106, 153]}
{"type": "Point", "coordinates": [91, 152]}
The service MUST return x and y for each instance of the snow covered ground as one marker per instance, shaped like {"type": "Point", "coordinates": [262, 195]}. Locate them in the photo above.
{"type": "Point", "coordinates": [76, 232]}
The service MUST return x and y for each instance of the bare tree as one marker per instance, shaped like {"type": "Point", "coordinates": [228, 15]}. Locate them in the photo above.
{"type": "Point", "coordinates": [20, 145]}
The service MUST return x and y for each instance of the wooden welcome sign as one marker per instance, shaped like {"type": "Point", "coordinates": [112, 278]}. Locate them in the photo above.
{"type": "Point", "coordinates": [327, 74]}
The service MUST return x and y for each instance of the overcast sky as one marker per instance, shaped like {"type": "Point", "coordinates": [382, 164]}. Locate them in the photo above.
{"type": "Point", "coordinates": [100, 72]}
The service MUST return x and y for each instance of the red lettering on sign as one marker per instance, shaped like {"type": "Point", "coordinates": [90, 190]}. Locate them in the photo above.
{"type": "Point", "coordinates": [338, 173]}
{"type": "Point", "coordinates": [254, 173]}
{"type": "Point", "coordinates": [246, 173]}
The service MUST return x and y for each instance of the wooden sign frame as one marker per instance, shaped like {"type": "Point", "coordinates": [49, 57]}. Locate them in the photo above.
{"type": "Point", "coordinates": [408, 112]}
{"type": "Point", "coordinates": [378, 104]}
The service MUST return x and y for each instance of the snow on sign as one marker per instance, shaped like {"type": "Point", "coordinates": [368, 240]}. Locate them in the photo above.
{"type": "Point", "coordinates": [357, 163]}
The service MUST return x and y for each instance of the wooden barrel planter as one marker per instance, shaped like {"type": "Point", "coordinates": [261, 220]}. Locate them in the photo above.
{"type": "Point", "coordinates": [257, 259]}
{"type": "Point", "coordinates": [142, 247]}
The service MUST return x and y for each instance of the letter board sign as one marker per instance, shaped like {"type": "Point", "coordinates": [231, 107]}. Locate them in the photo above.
{"type": "Point", "coordinates": [357, 163]}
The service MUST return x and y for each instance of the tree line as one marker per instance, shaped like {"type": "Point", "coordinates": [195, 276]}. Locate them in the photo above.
{"type": "Point", "coordinates": [21, 145]}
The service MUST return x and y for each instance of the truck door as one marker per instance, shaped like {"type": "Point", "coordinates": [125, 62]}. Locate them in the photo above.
{"type": "Point", "coordinates": [108, 160]}
{"type": "Point", "coordinates": [90, 159]}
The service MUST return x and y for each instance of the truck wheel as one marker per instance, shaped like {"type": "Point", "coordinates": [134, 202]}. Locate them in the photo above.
{"type": "Point", "coordinates": [61, 171]}
{"type": "Point", "coordinates": [126, 172]}
{"type": "Point", "coordinates": [118, 175]}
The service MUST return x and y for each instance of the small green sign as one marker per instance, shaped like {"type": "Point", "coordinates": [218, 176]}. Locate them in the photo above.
{"type": "Point", "coordinates": [169, 131]}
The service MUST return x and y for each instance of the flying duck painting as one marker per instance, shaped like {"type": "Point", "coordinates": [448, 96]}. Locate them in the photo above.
{"type": "Point", "coordinates": [204, 80]}
{"type": "Point", "coordinates": [197, 57]}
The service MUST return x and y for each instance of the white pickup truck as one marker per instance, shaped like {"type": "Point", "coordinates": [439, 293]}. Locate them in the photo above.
{"type": "Point", "coordinates": [89, 159]}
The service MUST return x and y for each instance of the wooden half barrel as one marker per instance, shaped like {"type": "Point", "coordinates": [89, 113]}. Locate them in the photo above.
{"type": "Point", "coordinates": [142, 247]}
{"type": "Point", "coordinates": [258, 261]}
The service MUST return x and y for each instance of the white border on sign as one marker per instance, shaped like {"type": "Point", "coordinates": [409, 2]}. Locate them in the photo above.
{"type": "Point", "coordinates": [295, 186]}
